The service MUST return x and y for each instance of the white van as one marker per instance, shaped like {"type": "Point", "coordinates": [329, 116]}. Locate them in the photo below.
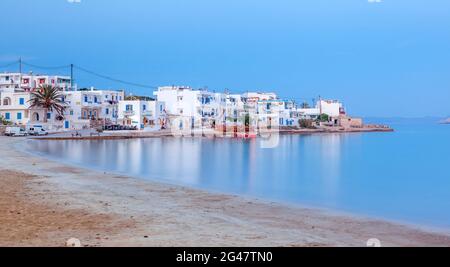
{"type": "Point", "coordinates": [15, 131]}
{"type": "Point", "coordinates": [36, 130]}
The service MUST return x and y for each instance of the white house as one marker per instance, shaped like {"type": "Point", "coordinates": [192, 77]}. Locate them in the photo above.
{"type": "Point", "coordinates": [145, 115]}
{"type": "Point", "coordinates": [234, 107]}
{"type": "Point", "coordinates": [332, 108]}
{"type": "Point", "coordinates": [15, 94]}
{"type": "Point", "coordinates": [85, 106]}
{"type": "Point", "coordinates": [14, 107]}
{"type": "Point", "coordinates": [188, 107]}
{"type": "Point", "coordinates": [259, 96]}
{"type": "Point", "coordinates": [308, 113]}
{"type": "Point", "coordinates": [28, 82]}
{"type": "Point", "coordinates": [281, 110]}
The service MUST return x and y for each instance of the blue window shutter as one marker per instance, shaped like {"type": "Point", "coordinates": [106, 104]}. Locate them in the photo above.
{"type": "Point", "coordinates": [7, 116]}
{"type": "Point", "coordinates": [21, 101]}
{"type": "Point", "coordinates": [19, 115]}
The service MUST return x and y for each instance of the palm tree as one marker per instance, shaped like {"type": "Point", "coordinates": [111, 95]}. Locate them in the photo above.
{"type": "Point", "coordinates": [49, 98]}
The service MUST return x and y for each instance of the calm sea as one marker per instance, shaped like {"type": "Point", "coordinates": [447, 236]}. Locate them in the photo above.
{"type": "Point", "coordinates": [404, 175]}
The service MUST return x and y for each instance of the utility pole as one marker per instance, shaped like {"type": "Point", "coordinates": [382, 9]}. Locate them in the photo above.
{"type": "Point", "coordinates": [71, 77]}
{"type": "Point", "coordinates": [320, 104]}
{"type": "Point", "coordinates": [20, 72]}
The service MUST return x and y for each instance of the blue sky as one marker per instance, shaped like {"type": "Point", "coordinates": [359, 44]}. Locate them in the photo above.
{"type": "Point", "coordinates": [382, 59]}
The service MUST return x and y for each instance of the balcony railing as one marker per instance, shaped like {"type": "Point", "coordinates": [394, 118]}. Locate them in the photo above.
{"type": "Point", "coordinates": [128, 112]}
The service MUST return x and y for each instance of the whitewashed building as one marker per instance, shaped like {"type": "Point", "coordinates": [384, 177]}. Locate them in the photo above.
{"type": "Point", "coordinates": [15, 94]}
{"type": "Point", "coordinates": [188, 107]}
{"type": "Point", "coordinates": [332, 108]}
{"type": "Point", "coordinates": [14, 107]}
{"type": "Point", "coordinates": [28, 82]}
{"type": "Point", "coordinates": [145, 115]}
{"type": "Point", "coordinates": [91, 105]}
{"type": "Point", "coordinates": [234, 108]}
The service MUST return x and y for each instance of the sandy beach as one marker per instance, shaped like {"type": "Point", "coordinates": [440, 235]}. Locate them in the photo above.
{"type": "Point", "coordinates": [44, 203]}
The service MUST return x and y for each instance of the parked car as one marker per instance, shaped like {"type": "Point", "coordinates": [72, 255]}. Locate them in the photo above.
{"type": "Point", "coordinates": [36, 130]}
{"type": "Point", "coordinates": [15, 131]}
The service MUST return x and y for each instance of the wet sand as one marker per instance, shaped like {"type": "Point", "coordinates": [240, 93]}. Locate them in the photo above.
{"type": "Point", "coordinates": [44, 203]}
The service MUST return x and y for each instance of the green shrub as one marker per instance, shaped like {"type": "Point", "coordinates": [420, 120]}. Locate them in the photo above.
{"type": "Point", "coordinates": [305, 123]}
{"type": "Point", "coordinates": [323, 117]}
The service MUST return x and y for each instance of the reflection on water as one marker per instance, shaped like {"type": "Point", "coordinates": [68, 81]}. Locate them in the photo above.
{"type": "Point", "coordinates": [397, 175]}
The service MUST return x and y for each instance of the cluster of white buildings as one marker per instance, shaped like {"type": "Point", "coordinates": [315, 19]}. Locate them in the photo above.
{"type": "Point", "coordinates": [188, 107]}
{"type": "Point", "coordinates": [173, 106]}
{"type": "Point", "coordinates": [85, 108]}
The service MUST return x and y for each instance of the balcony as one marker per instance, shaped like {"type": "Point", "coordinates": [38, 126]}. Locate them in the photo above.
{"type": "Point", "coordinates": [91, 103]}
{"type": "Point", "coordinates": [128, 112]}
{"type": "Point", "coordinates": [147, 113]}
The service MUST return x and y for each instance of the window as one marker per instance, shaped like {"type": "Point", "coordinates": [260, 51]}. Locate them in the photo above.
{"type": "Point", "coordinates": [95, 99]}
{"type": "Point", "coordinates": [71, 112]}
{"type": "Point", "coordinates": [7, 116]}
{"type": "Point", "coordinates": [19, 115]}
{"type": "Point", "coordinates": [85, 98]}
{"type": "Point", "coordinates": [6, 101]}
{"type": "Point", "coordinates": [160, 108]}
{"type": "Point", "coordinates": [120, 98]}
{"type": "Point", "coordinates": [129, 107]}
{"type": "Point", "coordinates": [144, 107]}
{"type": "Point", "coordinates": [49, 115]}
{"type": "Point", "coordinates": [107, 111]}
{"type": "Point", "coordinates": [21, 101]}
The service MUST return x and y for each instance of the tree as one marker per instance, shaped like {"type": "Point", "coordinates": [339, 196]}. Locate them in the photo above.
{"type": "Point", "coordinates": [323, 117]}
{"type": "Point", "coordinates": [48, 98]}
{"type": "Point", "coordinates": [3, 121]}
{"type": "Point", "coordinates": [247, 119]}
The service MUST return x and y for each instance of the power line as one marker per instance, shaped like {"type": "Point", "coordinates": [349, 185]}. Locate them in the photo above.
{"type": "Point", "coordinates": [114, 79]}
{"type": "Point", "coordinates": [9, 64]}
{"type": "Point", "coordinates": [45, 67]}
{"type": "Point", "coordinates": [71, 66]}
